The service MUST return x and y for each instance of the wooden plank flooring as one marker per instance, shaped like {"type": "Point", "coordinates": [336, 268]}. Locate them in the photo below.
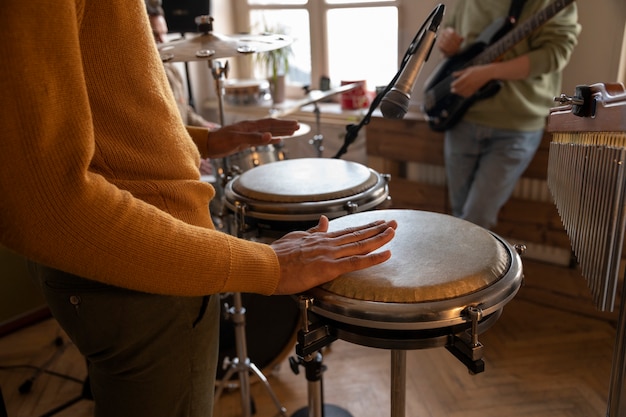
{"type": "Point", "coordinates": [549, 354]}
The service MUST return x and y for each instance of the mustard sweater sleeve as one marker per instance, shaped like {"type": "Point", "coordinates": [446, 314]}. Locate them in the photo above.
{"type": "Point", "coordinates": [98, 175]}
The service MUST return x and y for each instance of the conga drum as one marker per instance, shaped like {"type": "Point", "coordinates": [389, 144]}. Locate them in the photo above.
{"type": "Point", "coordinates": [447, 281]}
{"type": "Point", "coordinates": [276, 198]}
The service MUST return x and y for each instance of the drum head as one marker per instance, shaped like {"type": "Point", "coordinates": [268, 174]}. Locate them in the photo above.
{"type": "Point", "coordinates": [440, 265]}
{"type": "Point", "coordinates": [305, 180]}
{"type": "Point", "coordinates": [303, 189]}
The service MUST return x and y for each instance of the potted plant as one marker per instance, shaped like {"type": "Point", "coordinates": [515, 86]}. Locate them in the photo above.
{"type": "Point", "coordinates": [276, 65]}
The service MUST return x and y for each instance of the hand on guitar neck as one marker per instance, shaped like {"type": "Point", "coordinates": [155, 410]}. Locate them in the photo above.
{"type": "Point", "coordinates": [467, 81]}
{"type": "Point", "coordinates": [449, 42]}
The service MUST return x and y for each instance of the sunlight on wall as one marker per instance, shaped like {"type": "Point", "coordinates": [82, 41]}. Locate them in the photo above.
{"type": "Point", "coordinates": [621, 73]}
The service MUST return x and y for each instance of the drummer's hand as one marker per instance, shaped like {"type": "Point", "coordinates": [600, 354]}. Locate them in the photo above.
{"type": "Point", "coordinates": [241, 135]}
{"type": "Point", "coordinates": [311, 258]}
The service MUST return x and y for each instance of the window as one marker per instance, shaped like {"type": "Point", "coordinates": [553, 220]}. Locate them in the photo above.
{"type": "Point", "coordinates": [344, 40]}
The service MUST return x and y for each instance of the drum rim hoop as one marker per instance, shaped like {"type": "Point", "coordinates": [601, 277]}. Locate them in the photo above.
{"type": "Point", "coordinates": [367, 199]}
{"type": "Point", "coordinates": [421, 315]}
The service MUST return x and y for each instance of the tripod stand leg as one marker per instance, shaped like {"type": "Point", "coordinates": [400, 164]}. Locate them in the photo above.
{"type": "Point", "coordinates": [259, 374]}
{"type": "Point", "coordinates": [244, 387]}
{"type": "Point", "coordinates": [224, 382]}
{"type": "Point", "coordinates": [242, 364]}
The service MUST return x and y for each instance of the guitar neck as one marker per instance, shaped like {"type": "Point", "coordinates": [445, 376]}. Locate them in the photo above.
{"type": "Point", "coordinates": [515, 35]}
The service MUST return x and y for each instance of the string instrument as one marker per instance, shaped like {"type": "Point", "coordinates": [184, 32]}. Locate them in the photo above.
{"type": "Point", "coordinates": [443, 108]}
{"type": "Point", "coordinates": [587, 178]}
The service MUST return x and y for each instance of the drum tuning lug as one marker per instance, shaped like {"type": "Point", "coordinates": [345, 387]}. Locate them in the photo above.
{"type": "Point", "coordinates": [240, 218]}
{"type": "Point", "coordinates": [351, 207]}
{"type": "Point", "coordinates": [304, 304]}
{"type": "Point", "coordinates": [520, 248]}
{"type": "Point", "coordinates": [386, 177]}
{"type": "Point", "coordinates": [475, 314]}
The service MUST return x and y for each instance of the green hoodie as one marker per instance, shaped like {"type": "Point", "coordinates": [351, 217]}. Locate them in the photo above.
{"type": "Point", "coordinates": [524, 104]}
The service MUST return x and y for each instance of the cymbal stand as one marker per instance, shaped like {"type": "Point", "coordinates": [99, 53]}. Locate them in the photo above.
{"type": "Point", "coordinates": [318, 139]}
{"type": "Point", "coordinates": [219, 71]}
{"type": "Point", "coordinates": [241, 363]}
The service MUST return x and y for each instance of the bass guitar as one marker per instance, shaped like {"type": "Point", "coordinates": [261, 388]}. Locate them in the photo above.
{"type": "Point", "coordinates": [443, 108]}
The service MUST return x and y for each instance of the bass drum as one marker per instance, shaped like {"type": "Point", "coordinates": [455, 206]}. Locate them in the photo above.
{"type": "Point", "coordinates": [271, 327]}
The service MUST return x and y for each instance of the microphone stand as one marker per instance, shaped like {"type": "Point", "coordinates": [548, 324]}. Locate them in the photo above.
{"type": "Point", "coordinates": [352, 130]}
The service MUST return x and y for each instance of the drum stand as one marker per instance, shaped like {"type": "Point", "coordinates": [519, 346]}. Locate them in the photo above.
{"type": "Point", "coordinates": [242, 364]}
{"type": "Point", "coordinates": [315, 336]}
{"type": "Point", "coordinates": [310, 342]}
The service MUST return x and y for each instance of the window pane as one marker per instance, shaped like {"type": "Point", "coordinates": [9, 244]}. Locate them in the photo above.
{"type": "Point", "coordinates": [362, 45]}
{"type": "Point", "coordinates": [269, 2]}
{"type": "Point", "coordinates": [354, 1]}
{"type": "Point", "coordinates": [293, 23]}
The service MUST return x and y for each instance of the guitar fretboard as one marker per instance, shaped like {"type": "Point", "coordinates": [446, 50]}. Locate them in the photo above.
{"type": "Point", "coordinates": [515, 35]}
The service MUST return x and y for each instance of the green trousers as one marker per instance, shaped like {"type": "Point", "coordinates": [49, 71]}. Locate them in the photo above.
{"type": "Point", "coordinates": [148, 355]}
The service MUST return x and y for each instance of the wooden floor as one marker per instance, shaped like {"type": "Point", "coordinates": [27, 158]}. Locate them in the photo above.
{"type": "Point", "coordinates": [549, 354]}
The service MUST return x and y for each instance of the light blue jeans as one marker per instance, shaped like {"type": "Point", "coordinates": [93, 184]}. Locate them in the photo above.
{"type": "Point", "coordinates": [148, 355]}
{"type": "Point", "coordinates": [483, 165]}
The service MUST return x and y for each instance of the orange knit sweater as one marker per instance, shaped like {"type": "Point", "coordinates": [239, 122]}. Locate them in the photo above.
{"type": "Point", "coordinates": [98, 175]}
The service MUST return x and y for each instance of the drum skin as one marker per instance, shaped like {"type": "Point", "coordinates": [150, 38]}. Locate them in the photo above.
{"type": "Point", "coordinates": [439, 267]}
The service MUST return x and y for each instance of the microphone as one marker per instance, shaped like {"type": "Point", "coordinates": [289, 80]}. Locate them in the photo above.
{"type": "Point", "coordinates": [395, 104]}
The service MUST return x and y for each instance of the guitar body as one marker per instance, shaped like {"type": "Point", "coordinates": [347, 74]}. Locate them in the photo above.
{"type": "Point", "coordinates": [443, 108]}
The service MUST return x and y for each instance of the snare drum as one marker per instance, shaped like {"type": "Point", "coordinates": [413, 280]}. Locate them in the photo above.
{"type": "Point", "coordinates": [292, 194]}
{"type": "Point", "coordinates": [440, 268]}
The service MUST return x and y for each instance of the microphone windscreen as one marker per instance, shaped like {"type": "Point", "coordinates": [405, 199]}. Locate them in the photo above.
{"type": "Point", "coordinates": [394, 105]}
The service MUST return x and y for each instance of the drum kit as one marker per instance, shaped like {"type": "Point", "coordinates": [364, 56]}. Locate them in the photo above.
{"type": "Point", "coordinates": [447, 281]}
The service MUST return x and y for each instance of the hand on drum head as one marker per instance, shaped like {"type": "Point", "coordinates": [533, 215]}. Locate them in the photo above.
{"type": "Point", "coordinates": [239, 136]}
{"type": "Point", "coordinates": [311, 258]}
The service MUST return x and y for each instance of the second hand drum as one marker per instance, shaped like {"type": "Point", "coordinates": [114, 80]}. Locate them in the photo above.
{"type": "Point", "coordinates": [446, 282]}
{"type": "Point", "coordinates": [270, 200]}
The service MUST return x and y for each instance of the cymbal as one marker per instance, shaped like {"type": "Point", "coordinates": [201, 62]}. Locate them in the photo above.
{"type": "Point", "coordinates": [312, 96]}
{"type": "Point", "coordinates": [210, 45]}
{"type": "Point", "coordinates": [302, 130]}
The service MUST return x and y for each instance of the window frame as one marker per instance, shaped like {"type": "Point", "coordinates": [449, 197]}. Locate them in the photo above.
{"type": "Point", "coordinates": [318, 33]}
